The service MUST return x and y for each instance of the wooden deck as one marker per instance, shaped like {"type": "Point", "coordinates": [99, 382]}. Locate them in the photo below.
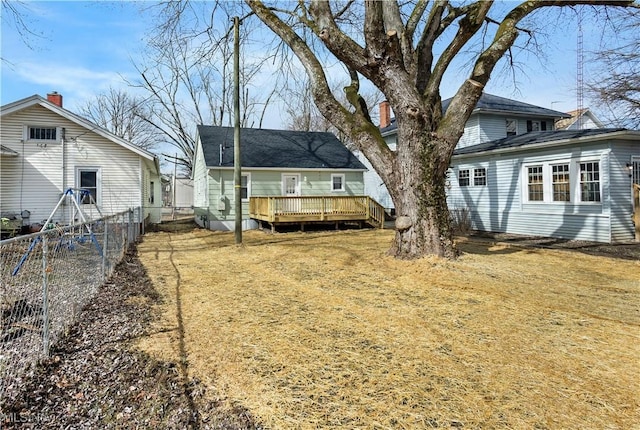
{"type": "Point", "coordinates": [315, 209]}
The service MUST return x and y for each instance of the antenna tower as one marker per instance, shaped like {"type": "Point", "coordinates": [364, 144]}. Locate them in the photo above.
{"type": "Point", "coordinates": [580, 72]}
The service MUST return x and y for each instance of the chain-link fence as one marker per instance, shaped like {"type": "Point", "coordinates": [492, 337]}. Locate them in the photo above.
{"type": "Point", "coordinates": [46, 278]}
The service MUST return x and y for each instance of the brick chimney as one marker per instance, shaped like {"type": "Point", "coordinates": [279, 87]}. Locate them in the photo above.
{"type": "Point", "coordinates": [385, 114]}
{"type": "Point", "coordinates": [55, 98]}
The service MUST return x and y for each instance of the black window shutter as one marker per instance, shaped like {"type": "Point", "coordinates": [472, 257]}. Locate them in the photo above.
{"type": "Point", "coordinates": [543, 125]}
{"type": "Point", "coordinates": [529, 126]}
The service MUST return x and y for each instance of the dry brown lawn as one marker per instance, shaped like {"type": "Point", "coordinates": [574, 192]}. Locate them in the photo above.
{"type": "Point", "coordinates": [323, 330]}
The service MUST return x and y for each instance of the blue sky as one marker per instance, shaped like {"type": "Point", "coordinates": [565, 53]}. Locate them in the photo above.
{"type": "Point", "coordinates": [83, 48]}
{"type": "Point", "coordinates": [86, 47]}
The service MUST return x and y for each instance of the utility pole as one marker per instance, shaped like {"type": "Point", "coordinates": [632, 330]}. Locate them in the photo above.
{"type": "Point", "coordinates": [173, 188]}
{"type": "Point", "coordinates": [237, 162]}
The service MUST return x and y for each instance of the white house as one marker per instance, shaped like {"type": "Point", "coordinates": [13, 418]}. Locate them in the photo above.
{"type": "Point", "coordinates": [515, 173]}
{"type": "Point", "coordinates": [581, 119]}
{"type": "Point", "coordinates": [47, 150]}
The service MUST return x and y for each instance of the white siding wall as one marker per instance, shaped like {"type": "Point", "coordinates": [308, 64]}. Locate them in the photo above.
{"type": "Point", "coordinates": [494, 127]}
{"type": "Point", "coordinates": [472, 133]}
{"type": "Point", "coordinates": [501, 206]}
{"type": "Point", "coordinates": [622, 228]}
{"type": "Point", "coordinates": [32, 181]}
{"type": "Point", "coordinates": [200, 179]}
{"type": "Point", "coordinates": [36, 179]}
{"type": "Point", "coordinates": [374, 187]}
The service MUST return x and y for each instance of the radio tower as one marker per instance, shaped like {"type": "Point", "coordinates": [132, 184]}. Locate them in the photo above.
{"type": "Point", "coordinates": [580, 72]}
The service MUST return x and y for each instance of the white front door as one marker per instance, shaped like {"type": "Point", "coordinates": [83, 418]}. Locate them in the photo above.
{"type": "Point", "coordinates": [290, 185]}
{"type": "Point", "coordinates": [291, 188]}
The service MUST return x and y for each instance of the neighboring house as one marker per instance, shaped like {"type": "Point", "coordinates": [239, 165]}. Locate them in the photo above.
{"type": "Point", "coordinates": [177, 192]}
{"type": "Point", "coordinates": [47, 150]}
{"type": "Point", "coordinates": [514, 173]}
{"type": "Point", "coordinates": [564, 184]}
{"type": "Point", "coordinates": [581, 119]}
{"type": "Point", "coordinates": [183, 193]}
{"type": "Point", "coordinates": [493, 118]}
{"type": "Point", "coordinates": [274, 163]}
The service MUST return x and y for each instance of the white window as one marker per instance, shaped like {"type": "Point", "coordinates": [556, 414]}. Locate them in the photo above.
{"type": "Point", "coordinates": [535, 183]}
{"type": "Point", "coordinates": [590, 181]}
{"type": "Point", "coordinates": [42, 133]}
{"type": "Point", "coordinates": [561, 182]}
{"type": "Point", "coordinates": [245, 186]}
{"type": "Point", "coordinates": [89, 179]}
{"type": "Point", "coordinates": [337, 182]}
{"type": "Point", "coordinates": [479, 176]}
{"type": "Point", "coordinates": [512, 127]}
{"type": "Point", "coordinates": [463, 177]}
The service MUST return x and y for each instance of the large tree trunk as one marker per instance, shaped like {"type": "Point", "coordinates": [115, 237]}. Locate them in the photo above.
{"type": "Point", "coordinates": [418, 189]}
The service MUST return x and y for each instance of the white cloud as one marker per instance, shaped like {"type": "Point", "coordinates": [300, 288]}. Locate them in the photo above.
{"type": "Point", "coordinates": [76, 83]}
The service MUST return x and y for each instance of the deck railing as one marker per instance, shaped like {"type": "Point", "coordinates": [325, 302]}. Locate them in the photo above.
{"type": "Point", "coordinates": [275, 209]}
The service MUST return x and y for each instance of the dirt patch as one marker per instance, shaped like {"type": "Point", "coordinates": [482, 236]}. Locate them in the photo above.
{"type": "Point", "coordinates": [322, 330]}
{"type": "Point", "coordinates": [629, 250]}
{"type": "Point", "coordinates": [96, 378]}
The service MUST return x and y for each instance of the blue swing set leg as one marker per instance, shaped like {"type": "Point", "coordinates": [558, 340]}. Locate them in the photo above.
{"type": "Point", "coordinates": [26, 254]}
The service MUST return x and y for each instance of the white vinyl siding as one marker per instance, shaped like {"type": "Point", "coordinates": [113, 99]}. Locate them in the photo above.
{"type": "Point", "coordinates": [502, 206]}
{"type": "Point", "coordinates": [36, 179]}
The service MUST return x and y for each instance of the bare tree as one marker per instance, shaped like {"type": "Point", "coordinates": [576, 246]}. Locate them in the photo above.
{"type": "Point", "coordinates": [616, 87]}
{"type": "Point", "coordinates": [188, 74]}
{"type": "Point", "coordinates": [303, 114]}
{"type": "Point", "coordinates": [15, 13]}
{"type": "Point", "coordinates": [124, 115]}
{"type": "Point", "coordinates": [404, 49]}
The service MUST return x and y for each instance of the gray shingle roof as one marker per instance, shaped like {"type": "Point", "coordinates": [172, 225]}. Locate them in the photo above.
{"type": "Point", "coordinates": [533, 138]}
{"type": "Point", "coordinates": [491, 103]}
{"type": "Point", "coordinates": [277, 149]}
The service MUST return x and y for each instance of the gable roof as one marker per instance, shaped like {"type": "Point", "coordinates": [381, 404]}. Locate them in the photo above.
{"type": "Point", "coordinates": [489, 103]}
{"type": "Point", "coordinates": [275, 149]}
{"type": "Point", "coordinates": [548, 138]}
{"type": "Point", "coordinates": [565, 123]}
{"type": "Point", "coordinates": [38, 100]}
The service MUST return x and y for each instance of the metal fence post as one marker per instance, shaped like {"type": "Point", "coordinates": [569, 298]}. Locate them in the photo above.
{"type": "Point", "coordinates": [45, 295]}
{"type": "Point", "coordinates": [131, 230]}
{"type": "Point", "coordinates": [105, 248]}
